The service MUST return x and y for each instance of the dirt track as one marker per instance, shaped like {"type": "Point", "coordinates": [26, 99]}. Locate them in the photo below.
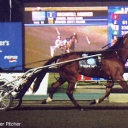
{"type": "Point", "coordinates": [38, 117]}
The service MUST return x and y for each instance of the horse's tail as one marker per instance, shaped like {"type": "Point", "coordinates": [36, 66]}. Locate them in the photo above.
{"type": "Point", "coordinates": [42, 73]}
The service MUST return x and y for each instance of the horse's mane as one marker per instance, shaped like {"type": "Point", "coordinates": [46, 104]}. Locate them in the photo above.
{"type": "Point", "coordinates": [117, 45]}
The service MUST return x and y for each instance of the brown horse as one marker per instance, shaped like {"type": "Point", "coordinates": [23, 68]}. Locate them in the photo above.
{"type": "Point", "coordinates": [70, 45]}
{"type": "Point", "coordinates": [66, 46]}
{"type": "Point", "coordinates": [111, 67]}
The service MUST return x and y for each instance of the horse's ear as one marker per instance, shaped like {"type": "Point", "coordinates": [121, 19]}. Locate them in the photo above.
{"type": "Point", "coordinates": [125, 39]}
{"type": "Point", "coordinates": [126, 35]}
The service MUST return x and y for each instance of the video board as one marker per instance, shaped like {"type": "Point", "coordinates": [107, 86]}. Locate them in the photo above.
{"type": "Point", "coordinates": [95, 26]}
{"type": "Point", "coordinates": [11, 47]}
{"type": "Point", "coordinates": [66, 15]}
{"type": "Point", "coordinates": [44, 24]}
{"type": "Point", "coordinates": [117, 21]}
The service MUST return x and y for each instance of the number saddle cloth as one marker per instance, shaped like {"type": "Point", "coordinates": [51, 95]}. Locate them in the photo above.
{"type": "Point", "coordinates": [90, 62]}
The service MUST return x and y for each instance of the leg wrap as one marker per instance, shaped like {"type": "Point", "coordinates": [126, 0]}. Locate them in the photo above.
{"type": "Point", "coordinates": [97, 101]}
{"type": "Point", "coordinates": [48, 99]}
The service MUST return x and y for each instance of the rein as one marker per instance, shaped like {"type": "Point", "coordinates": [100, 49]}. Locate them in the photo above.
{"type": "Point", "coordinates": [13, 67]}
{"type": "Point", "coordinates": [106, 45]}
{"type": "Point", "coordinates": [107, 50]}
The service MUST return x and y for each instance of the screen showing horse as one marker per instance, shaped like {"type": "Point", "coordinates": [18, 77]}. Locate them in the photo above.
{"type": "Point", "coordinates": [48, 30]}
{"type": "Point", "coordinates": [51, 31]}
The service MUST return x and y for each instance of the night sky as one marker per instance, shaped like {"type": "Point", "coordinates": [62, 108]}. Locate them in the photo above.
{"type": "Point", "coordinates": [15, 14]}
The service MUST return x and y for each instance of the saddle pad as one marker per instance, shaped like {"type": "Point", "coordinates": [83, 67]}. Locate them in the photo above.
{"type": "Point", "coordinates": [90, 62]}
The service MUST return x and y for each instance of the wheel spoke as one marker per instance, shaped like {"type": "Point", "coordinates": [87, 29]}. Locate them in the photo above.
{"type": "Point", "coordinates": [6, 99]}
{"type": "Point", "coordinates": [16, 103]}
{"type": "Point", "coordinates": [3, 105]}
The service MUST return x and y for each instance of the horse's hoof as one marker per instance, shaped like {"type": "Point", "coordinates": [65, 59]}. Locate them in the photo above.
{"type": "Point", "coordinates": [44, 101]}
{"type": "Point", "coordinates": [93, 102]}
{"type": "Point", "coordinates": [81, 109]}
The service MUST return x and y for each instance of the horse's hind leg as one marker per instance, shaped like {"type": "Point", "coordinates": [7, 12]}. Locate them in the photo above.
{"type": "Point", "coordinates": [109, 86]}
{"type": "Point", "coordinates": [52, 90]}
{"type": "Point", "coordinates": [123, 85]}
{"type": "Point", "coordinates": [119, 78]}
{"type": "Point", "coordinates": [69, 92]}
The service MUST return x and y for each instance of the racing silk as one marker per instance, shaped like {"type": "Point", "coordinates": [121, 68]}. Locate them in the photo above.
{"type": "Point", "coordinates": [60, 43]}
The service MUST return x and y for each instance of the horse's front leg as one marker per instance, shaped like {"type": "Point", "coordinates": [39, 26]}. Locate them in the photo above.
{"type": "Point", "coordinates": [52, 90]}
{"type": "Point", "coordinates": [109, 86]}
{"type": "Point", "coordinates": [69, 92]}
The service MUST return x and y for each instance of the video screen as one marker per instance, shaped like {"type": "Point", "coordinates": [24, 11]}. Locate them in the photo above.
{"type": "Point", "coordinates": [117, 23]}
{"type": "Point", "coordinates": [44, 26]}
{"type": "Point", "coordinates": [48, 30]}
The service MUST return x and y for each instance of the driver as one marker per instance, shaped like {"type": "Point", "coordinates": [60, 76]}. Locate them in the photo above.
{"type": "Point", "coordinates": [58, 42]}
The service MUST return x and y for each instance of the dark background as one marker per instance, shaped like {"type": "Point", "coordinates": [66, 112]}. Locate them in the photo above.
{"type": "Point", "coordinates": [18, 6]}
{"type": "Point", "coordinates": [16, 11]}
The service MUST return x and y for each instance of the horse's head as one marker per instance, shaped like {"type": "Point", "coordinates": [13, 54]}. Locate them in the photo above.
{"type": "Point", "coordinates": [117, 44]}
{"type": "Point", "coordinates": [74, 37]}
{"type": "Point", "coordinates": [121, 46]}
{"type": "Point", "coordinates": [119, 49]}
{"type": "Point", "coordinates": [121, 42]}
{"type": "Point", "coordinates": [125, 40]}
{"type": "Point", "coordinates": [125, 44]}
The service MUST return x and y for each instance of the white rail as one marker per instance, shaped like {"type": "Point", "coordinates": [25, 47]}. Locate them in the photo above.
{"type": "Point", "coordinates": [63, 62]}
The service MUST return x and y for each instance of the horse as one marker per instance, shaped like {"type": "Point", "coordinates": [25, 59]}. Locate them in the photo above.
{"type": "Point", "coordinates": [66, 46]}
{"type": "Point", "coordinates": [111, 67]}
{"type": "Point", "coordinates": [70, 45]}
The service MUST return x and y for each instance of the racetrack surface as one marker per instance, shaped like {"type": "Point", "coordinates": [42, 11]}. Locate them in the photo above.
{"type": "Point", "coordinates": [38, 116]}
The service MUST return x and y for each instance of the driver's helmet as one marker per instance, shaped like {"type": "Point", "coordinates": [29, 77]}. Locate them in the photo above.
{"type": "Point", "coordinates": [74, 33]}
{"type": "Point", "coordinates": [59, 37]}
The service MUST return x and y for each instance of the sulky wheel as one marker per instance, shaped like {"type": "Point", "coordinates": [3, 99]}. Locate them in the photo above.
{"type": "Point", "coordinates": [5, 99]}
{"type": "Point", "coordinates": [16, 103]}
